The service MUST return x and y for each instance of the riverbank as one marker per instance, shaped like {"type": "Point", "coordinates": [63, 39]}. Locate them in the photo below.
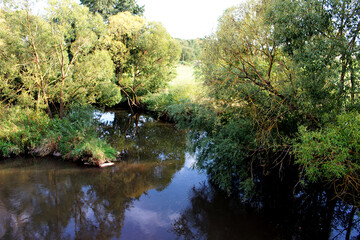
{"type": "Point", "coordinates": [73, 138]}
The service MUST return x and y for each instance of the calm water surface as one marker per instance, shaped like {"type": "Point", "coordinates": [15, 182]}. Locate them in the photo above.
{"type": "Point", "coordinates": [153, 193]}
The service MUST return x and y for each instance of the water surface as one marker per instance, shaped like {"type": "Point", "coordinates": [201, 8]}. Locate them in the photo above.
{"type": "Point", "coordinates": [153, 193]}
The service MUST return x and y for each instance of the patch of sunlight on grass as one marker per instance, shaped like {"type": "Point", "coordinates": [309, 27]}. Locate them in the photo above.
{"type": "Point", "coordinates": [185, 85]}
{"type": "Point", "coordinates": [185, 75]}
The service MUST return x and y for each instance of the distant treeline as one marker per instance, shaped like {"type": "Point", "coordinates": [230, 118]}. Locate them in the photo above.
{"type": "Point", "coordinates": [190, 49]}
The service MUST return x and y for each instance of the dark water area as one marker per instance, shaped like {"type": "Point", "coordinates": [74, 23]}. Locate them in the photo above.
{"type": "Point", "coordinates": [154, 193]}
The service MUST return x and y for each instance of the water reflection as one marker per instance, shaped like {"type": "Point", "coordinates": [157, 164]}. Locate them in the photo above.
{"type": "Point", "coordinates": [48, 199]}
{"type": "Point", "coordinates": [61, 203]}
{"type": "Point", "coordinates": [213, 216]}
{"type": "Point", "coordinates": [154, 194]}
{"type": "Point", "coordinates": [142, 138]}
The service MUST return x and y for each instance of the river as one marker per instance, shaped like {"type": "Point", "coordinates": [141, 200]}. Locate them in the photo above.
{"type": "Point", "coordinates": [152, 193]}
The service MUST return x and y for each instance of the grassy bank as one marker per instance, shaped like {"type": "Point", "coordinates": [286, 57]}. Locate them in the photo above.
{"type": "Point", "coordinates": [74, 137]}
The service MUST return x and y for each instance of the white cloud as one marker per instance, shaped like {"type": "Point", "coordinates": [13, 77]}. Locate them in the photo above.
{"type": "Point", "coordinates": [146, 219]}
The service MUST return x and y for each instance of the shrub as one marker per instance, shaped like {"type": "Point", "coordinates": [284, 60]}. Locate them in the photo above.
{"type": "Point", "coordinates": [21, 130]}
{"type": "Point", "coordinates": [79, 139]}
{"type": "Point", "coordinates": [332, 154]}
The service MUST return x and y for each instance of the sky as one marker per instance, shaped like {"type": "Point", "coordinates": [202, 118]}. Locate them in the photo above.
{"type": "Point", "coordinates": [187, 19]}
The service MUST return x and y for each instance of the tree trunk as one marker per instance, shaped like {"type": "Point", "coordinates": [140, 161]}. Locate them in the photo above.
{"type": "Point", "coordinates": [351, 218]}
{"type": "Point", "coordinates": [61, 111]}
{"type": "Point", "coordinates": [342, 76]}
{"type": "Point", "coordinates": [352, 82]}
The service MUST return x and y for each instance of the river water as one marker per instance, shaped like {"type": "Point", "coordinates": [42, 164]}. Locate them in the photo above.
{"type": "Point", "coordinates": [152, 193]}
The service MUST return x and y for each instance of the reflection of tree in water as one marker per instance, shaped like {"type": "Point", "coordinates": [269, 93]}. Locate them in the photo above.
{"type": "Point", "coordinates": [144, 139]}
{"type": "Point", "coordinates": [52, 200]}
{"type": "Point", "coordinates": [59, 205]}
{"type": "Point", "coordinates": [213, 216]}
{"type": "Point", "coordinates": [314, 215]}
{"type": "Point", "coordinates": [305, 212]}
{"type": "Point", "coordinates": [346, 221]}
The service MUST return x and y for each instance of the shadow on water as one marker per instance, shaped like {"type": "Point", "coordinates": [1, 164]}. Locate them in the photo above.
{"type": "Point", "coordinates": [154, 194]}
{"type": "Point", "coordinates": [211, 215]}
{"type": "Point", "coordinates": [278, 211]}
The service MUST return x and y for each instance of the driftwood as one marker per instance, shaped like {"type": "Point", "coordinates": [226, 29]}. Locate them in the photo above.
{"type": "Point", "coordinates": [106, 165]}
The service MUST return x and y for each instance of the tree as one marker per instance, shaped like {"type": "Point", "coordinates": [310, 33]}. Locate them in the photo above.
{"type": "Point", "coordinates": [75, 33]}
{"type": "Point", "coordinates": [274, 69]}
{"type": "Point", "coordinates": [54, 62]}
{"type": "Point", "coordinates": [107, 8]}
{"type": "Point", "coordinates": [248, 71]}
{"type": "Point", "coordinates": [331, 155]}
{"type": "Point", "coordinates": [323, 38]}
{"type": "Point", "coordinates": [25, 44]}
{"type": "Point", "coordinates": [190, 49]}
{"type": "Point", "coordinates": [143, 54]}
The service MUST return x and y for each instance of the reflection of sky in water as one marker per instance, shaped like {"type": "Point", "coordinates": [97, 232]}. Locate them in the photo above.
{"type": "Point", "coordinates": [153, 214]}
{"type": "Point", "coordinates": [107, 118]}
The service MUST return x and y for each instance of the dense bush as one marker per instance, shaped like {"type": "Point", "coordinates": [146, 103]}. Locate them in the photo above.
{"type": "Point", "coordinates": [21, 130]}
{"type": "Point", "coordinates": [332, 154]}
{"type": "Point", "coordinates": [75, 137]}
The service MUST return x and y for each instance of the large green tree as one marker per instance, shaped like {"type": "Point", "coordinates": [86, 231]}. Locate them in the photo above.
{"type": "Point", "coordinates": [53, 62]}
{"type": "Point", "coordinates": [273, 66]}
{"type": "Point", "coordinates": [143, 53]}
{"type": "Point", "coordinates": [323, 39]}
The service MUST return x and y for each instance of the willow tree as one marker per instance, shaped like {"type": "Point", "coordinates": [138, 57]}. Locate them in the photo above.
{"type": "Point", "coordinates": [323, 39]}
{"type": "Point", "coordinates": [247, 70]}
{"type": "Point", "coordinates": [143, 54]}
{"type": "Point", "coordinates": [279, 66]}
{"type": "Point", "coordinates": [53, 62]}
{"type": "Point", "coordinates": [24, 45]}
{"type": "Point", "coordinates": [75, 33]}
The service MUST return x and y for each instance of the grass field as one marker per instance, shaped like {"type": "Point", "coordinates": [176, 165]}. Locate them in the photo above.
{"type": "Point", "coordinates": [185, 85]}
{"type": "Point", "coordinates": [185, 75]}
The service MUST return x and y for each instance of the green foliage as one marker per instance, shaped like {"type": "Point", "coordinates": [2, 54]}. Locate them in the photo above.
{"type": "Point", "coordinates": [107, 8]}
{"type": "Point", "coordinates": [331, 153]}
{"type": "Point", "coordinates": [322, 38]}
{"type": "Point", "coordinates": [71, 56]}
{"type": "Point", "coordinates": [53, 61]}
{"type": "Point", "coordinates": [224, 154]}
{"type": "Point", "coordinates": [143, 54]}
{"type": "Point", "coordinates": [74, 136]}
{"type": "Point", "coordinates": [79, 138]}
{"type": "Point", "coordinates": [181, 89]}
{"type": "Point", "coordinates": [193, 115]}
{"type": "Point", "coordinates": [191, 49]}
{"type": "Point", "coordinates": [271, 67]}
{"type": "Point", "coordinates": [21, 130]}
{"type": "Point", "coordinates": [222, 145]}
